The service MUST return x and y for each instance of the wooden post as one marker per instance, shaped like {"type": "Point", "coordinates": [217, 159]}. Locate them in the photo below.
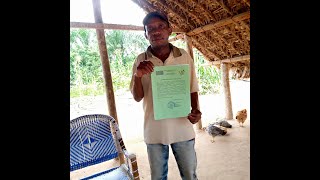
{"type": "Point", "coordinates": [105, 66]}
{"type": "Point", "coordinates": [226, 90]}
{"type": "Point", "coordinates": [190, 51]}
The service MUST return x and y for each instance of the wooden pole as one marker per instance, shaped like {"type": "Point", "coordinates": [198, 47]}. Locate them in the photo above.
{"type": "Point", "coordinates": [105, 26]}
{"type": "Point", "coordinates": [226, 90]}
{"type": "Point", "coordinates": [221, 23]}
{"type": "Point", "coordinates": [190, 51]}
{"type": "Point", "coordinates": [105, 66]}
{"type": "Point", "coordinates": [87, 25]}
{"type": "Point", "coordinates": [230, 60]}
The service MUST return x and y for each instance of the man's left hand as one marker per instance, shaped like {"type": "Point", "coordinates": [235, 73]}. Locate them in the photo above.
{"type": "Point", "coordinates": [194, 116]}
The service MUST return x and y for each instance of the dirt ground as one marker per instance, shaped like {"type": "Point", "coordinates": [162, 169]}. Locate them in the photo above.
{"type": "Point", "coordinates": [228, 158]}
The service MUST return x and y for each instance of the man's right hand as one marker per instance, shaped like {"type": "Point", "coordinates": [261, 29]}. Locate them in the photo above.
{"type": "Point", "coordinates": [144, 67]}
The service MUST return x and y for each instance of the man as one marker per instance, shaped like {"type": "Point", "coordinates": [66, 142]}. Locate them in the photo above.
{"type": "Point", "coordinates": [176, 132]}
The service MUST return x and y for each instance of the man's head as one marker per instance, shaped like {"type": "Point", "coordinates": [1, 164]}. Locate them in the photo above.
{"type": "Point", "coordinates": [157, 29]}
{"type": "Point", "coordinates": [154, 14]}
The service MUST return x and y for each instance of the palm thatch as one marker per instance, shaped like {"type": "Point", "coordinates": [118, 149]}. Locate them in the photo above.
{"type": "Point", "coordinates": [219, 29]}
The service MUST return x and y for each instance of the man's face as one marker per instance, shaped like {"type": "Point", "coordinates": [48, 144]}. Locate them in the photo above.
{"type": "Point", "coordinates": [157, 32]}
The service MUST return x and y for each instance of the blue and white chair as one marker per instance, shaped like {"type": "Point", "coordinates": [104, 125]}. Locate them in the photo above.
{"type": "Point", "coordinates": [96, 138]}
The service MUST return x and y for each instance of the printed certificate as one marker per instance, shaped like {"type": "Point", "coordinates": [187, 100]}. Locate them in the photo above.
{"type": "Point", "coordinates": [171, 91]}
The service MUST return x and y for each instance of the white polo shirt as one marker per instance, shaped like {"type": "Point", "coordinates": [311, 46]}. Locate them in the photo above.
{"type": "Point", "coordinates": [165, 131]}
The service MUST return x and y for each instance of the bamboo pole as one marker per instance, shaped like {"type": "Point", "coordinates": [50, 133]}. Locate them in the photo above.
{"type": "Point", "coordinates": [105, 26]}
{"type": "Point", "coordinates": [87, 25]}
{"type": "Point", "coordinates": [190, 51]}
{"type": "Point", "coordinates": [106, 67]}
{"type": "Point", "coordinates": [226, 90]}
{"type": "Point", "coordinates": [224, 22]}
{"type": "Point", "coordinates": [231, 60]}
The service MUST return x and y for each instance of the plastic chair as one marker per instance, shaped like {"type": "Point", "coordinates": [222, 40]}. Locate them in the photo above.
{"type": "Point", "coordinates": [93, 141]}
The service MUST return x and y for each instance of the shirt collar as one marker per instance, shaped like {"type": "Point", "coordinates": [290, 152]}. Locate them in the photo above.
{"type": "Point", "coordinates": [175, 50]}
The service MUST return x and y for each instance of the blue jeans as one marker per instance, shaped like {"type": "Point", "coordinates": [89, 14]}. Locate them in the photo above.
{"type": "Point", "coordinates": [184, 154]}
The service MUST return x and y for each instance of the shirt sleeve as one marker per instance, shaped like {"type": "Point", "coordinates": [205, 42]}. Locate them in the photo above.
{"type": "Point", "coordinates": [134, 68]}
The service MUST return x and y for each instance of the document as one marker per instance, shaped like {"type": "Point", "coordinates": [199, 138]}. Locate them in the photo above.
{"type": "Point", "coordinates": [171, 91]}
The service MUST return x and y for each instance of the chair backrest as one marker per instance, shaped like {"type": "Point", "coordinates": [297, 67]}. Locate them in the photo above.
{"type": "Point", "coordinates": [91, 141]}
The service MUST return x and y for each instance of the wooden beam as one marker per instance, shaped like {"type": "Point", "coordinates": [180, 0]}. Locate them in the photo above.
{"type": "Point", "coordinates": [241, 23]}
{"type": "Point", "coordinates": [224, 22]}
{"type": "Point", "coordinates": [104, 26]}
{"type": "Point", "coordinates": [86, 25]}
{"type": "Point", "coordinates": [231, 60]}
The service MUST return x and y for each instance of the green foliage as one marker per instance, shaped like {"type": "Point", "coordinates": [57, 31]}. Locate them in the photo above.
{"type": "Point", "coordinates": [86, 77]}
{"type": "Point", "coordinates": [85, 64]}
{"type": "Point", "coordinates": [209, 77]}
{"type": "Point", "coordinates": [123, 47]}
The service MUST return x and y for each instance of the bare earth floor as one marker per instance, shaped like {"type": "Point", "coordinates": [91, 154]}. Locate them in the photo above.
{"type": "Point", "coordinates": [228, 158]}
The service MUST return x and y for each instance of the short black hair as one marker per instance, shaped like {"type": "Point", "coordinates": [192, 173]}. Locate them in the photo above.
{"type": "Point", "coordinates": [153, 15]}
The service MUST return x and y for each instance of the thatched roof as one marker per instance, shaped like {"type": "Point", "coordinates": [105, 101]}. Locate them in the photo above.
{"type": "Point", "coordinates": [219, 29]}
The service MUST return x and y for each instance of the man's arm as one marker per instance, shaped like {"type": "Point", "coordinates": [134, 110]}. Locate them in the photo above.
{"type": "Point", "coordinates": [144, 67]}
{"type": "Point", "coordinates": [194, 100]}
{"type": "Point", "coordinates": [137, 89]}
{"type": "Point", "coordinates": [195, 114]}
